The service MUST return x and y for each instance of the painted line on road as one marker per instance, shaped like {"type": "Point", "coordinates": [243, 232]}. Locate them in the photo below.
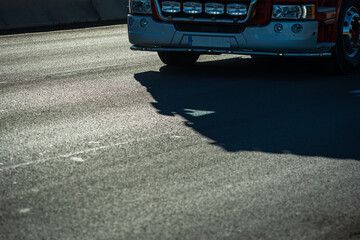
{"type": "Point", "coordinates": [96, 69]}
{"type": "Point", "coordinates": [198, 113]}
{"type": "Point", "coordinates": [24, 210]}
{"type": "Point", "coordinates": [77, 159]}
{"type": "Point", "coordinates": [70, 155]}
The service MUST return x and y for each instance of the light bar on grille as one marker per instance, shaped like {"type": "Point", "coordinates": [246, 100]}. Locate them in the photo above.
{"type": "Point", "coordinates": [214, 8]}
{"type": "Point", "coordinates": [192, 7]}
{"type": "Point", "coordinates": [171, 7]}
{"type": "Point", "coordinates": [236, 9]}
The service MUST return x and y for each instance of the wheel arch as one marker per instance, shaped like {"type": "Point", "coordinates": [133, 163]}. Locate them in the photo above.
{"type": "Point", "coordinates": [339, 5]}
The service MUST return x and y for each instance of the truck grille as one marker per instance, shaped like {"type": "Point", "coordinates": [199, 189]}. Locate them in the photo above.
{"type": "Point", "coordinates": [205, 11]}
{"type": "Point", "coordinates": [209, 27]}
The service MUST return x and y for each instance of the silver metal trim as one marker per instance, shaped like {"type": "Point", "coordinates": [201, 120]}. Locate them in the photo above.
{"type": "Point", "coordinates": [325, 45]}
{"type": "Point", "coordinates": [326, 9]}
{"type": "Point", "coordinates": [239, 52]}
{"type": "Point", "coordinates": [205, 20]}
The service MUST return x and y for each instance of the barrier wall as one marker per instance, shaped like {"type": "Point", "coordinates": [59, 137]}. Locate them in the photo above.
{"type": "Point", "coordinates": [35, 13]}
{"type": "Point", "coordinates": [111, 9]}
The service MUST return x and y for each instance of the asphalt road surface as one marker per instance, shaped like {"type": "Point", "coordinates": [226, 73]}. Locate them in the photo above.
{"type": "Point", "coordinates": [100, 142]}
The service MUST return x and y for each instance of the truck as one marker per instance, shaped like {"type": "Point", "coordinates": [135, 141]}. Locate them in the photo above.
{"type": "Point", "coordinates": [182, 30]}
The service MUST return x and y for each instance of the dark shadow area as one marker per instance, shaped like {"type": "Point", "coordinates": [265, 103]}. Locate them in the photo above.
{"type": "Point", "coordinates": [61, 27]}
{"type": "Point", "coordinates": [275, 105]}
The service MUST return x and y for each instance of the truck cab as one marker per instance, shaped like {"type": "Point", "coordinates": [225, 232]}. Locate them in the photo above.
{"type": "Point", "coordinates": [181, 30]}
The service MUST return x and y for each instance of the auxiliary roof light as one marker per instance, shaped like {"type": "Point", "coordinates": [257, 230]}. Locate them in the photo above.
{"type": "Point", "coordinates": [214, 8]}
{"type": "Point", "coordinates": [236, 9]}
{"type": "Point", "coordinates": [192, 7]}
{"type": "Point", "coordinates": [171, 7]}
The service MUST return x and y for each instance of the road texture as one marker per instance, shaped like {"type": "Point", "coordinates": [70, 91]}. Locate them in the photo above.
{"type": "Point", "coordinates": [99, 142]}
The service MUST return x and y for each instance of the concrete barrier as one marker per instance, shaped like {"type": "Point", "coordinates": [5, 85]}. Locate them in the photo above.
{"type": "Point", "coordinates": [35, 13]}
{"type": "Point", "coordinates": [111, 9]}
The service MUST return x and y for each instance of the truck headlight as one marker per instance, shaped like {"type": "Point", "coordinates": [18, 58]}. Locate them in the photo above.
{"type": "Point", "coordinates": [140, 6]}
{"type": "Point", "coordinates": [293, 11]}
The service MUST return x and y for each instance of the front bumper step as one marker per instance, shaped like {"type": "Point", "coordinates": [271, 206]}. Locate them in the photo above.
{"type": "Point", "coordinates": [224, 51]}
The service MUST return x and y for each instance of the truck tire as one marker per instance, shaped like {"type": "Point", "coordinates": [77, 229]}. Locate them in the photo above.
{"type": "Point", "coordinates": [178, 58]}
{"type": "Point", "coordinates": [347, 51]}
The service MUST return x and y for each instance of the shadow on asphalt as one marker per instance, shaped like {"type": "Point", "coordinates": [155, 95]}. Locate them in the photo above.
{"type": "Point", "coordinates": [279, 106]}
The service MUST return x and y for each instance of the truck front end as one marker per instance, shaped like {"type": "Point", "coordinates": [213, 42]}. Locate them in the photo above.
{"type": "Point", "coordinates": [180, 28]}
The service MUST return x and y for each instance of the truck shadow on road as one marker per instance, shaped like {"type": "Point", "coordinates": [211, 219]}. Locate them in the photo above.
{"type": "Point", "coordinates": [278, 106]}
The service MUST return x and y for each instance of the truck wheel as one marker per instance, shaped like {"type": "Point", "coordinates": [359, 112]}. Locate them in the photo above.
{"type": "Point", "coordinates": [347, 51]}
{"type": "Point", "coordinates": [178, 58]}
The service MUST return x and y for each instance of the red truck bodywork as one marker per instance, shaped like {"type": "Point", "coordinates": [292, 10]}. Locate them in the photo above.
{"type": "Point", "coordinates": [327, 20]}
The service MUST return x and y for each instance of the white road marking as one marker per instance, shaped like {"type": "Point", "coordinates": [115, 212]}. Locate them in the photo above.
{"type": "Point", "coordinates": [34, 190]}
{"type": "Point", "coordinates": [176, 136]}
{"type": "Point", "coordinates": [77, 159]}
{"type": "Point", "coordinates": [81, 152]}
{"type": "Point", "coordinates": [198, 113]}
{"type": "Point", "coordinates": [24, 210]}
{"type": "Point", "coordinates": [87, 70]}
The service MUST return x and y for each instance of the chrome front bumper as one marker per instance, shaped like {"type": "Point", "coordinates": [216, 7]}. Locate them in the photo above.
{"type": "Point", "coordinates": [161, 36]}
